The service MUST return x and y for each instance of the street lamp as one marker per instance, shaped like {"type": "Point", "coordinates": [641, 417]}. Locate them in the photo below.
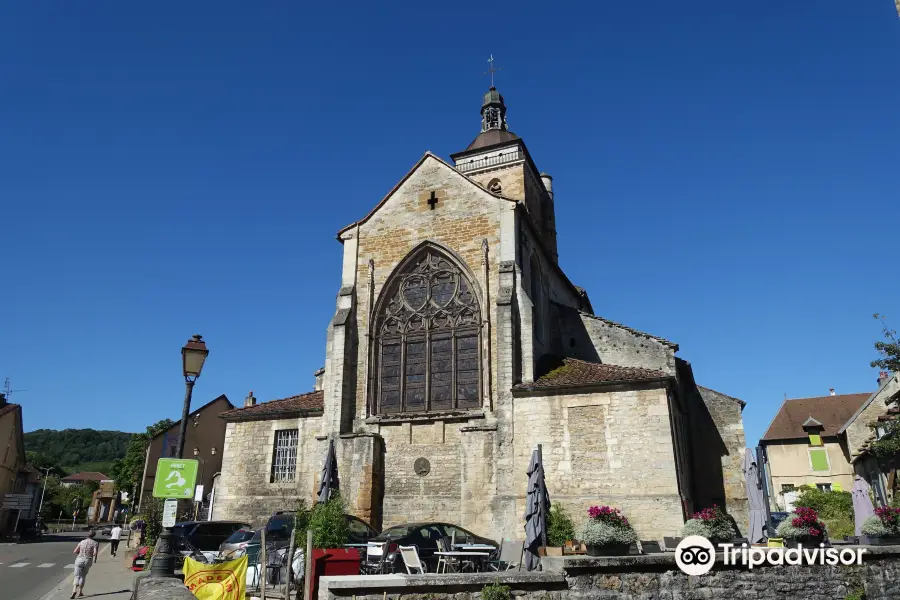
{"type": "Point", "coordinates": [193, 355]}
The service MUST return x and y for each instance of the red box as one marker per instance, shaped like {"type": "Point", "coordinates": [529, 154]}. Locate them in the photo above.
{"type": "Point", "coordinates": [331, 561]}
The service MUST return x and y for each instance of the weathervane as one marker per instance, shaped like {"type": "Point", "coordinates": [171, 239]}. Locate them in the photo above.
{"type": "Point", "coordinates": [491, 70]}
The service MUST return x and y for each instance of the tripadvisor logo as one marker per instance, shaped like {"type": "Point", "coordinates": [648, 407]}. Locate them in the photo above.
{"type": "Point", "coordinates": [695, 555]}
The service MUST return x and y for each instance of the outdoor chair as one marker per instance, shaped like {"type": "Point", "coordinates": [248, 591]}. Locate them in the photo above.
{"type": "Point", "coordinates": [376, 558]}
{"type": "Point", "coordinates": [411, 559]}
{"type": "Point", "coordinates": [509, 557]}
{"type": "Point", "coordinates": [445, 564]}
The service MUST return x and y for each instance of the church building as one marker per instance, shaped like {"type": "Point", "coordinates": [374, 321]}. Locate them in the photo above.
{"type": "Point", "coordinates": [458, 344]}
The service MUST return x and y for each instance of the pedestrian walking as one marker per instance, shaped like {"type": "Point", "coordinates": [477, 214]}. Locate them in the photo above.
{"type": "Point", "coordinates": [114, 536]}
{"type": "Point", "coordinates": [86, 553]}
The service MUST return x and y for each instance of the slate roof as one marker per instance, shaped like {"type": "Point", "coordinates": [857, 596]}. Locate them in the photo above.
{"type": "Point", "coordinates": [85, 476]}
{"type": "Point", "coordinates": [577, 373]}
{"type": "Point", "coordinates": [491, 137]}
{"type": "Point", "coordinates": [293, 406]}
{"type": "Point", "coordinates": [831, 411]}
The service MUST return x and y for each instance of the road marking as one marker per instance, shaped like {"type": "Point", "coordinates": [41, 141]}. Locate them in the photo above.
{"type": "Point", "coordinates": [45, 565]}
{"type": "Point", "coordinates": [17, 565]}
{"type": "Point", "coordinates": [72, 566]}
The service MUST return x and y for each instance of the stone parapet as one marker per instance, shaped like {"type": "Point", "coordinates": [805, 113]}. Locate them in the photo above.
{"type": "Point", "coordinates": [649, 577]}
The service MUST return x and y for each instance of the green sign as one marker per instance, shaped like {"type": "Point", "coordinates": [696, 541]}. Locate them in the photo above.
{"type": "Point", "coordinates": [175, 478]}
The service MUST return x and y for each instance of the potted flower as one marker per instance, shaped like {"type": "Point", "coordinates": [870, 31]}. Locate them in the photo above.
{"type": "Point", "coordinates": [607, 532]}
{"type": "Point", "coordinates": [883, 529]}
{"type": "Point", "coordinates": [560, 531]}
{"type": "Point", "coordinates": [802, 527]}
{"type": "Point", "coordinates": [712, 523]}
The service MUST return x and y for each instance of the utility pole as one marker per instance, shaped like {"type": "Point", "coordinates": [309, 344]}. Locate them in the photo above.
{"type": "Point", "coordinates": [43, 490]}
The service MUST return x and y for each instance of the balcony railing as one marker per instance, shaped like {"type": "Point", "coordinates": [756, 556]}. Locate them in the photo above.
{"type": "Point", "coordinates": [490, 161]}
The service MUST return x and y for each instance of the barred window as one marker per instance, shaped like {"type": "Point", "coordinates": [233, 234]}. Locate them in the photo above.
{"type": "Point", "coordinates": [427, 338]}
{"type": "Point", "coordinates": [284, 461]}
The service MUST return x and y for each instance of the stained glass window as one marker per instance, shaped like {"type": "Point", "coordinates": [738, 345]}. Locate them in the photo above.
{"type": "Point", "coordinates": [427, 339]}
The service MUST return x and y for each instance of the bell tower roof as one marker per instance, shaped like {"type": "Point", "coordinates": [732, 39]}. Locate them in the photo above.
{"type": "Point", "coordinates": [494, 129]}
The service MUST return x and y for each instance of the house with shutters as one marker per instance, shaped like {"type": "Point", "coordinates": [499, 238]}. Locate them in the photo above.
{"type": "Point", "coordinates": [804, 445]}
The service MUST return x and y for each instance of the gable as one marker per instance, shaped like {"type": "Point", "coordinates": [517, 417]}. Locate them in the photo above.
{"type": "Point", "coordinates": [429, 169]}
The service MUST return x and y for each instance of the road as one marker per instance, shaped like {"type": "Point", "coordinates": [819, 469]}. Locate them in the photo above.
{"type": "Point", "coordinates": [29, 571]}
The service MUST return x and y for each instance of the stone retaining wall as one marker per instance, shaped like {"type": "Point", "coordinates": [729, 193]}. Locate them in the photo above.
{"type": "Point", "coordinates": [648, 577]}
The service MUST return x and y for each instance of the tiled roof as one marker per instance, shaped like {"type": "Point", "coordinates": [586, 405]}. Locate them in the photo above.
{"type": "Point", "coordinates": [574, 372]}
{"type": "Point", "coordinates": [284, 407]}
{"type": "Point", "coordinates": [831, 411]}
{"type": "Point", "coordinates": [85, 476]}
{"type": "Point", "coordinates": [6, 408]}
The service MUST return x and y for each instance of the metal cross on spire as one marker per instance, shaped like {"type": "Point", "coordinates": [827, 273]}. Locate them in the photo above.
{"type": "Point", "coordinates": [493, 69]}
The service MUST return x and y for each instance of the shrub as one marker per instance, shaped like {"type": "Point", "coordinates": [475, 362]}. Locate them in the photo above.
{"type": "Point", "coordinates": [495, 591]}
{"type": "Point", "coordinates": [712, 523]}
{"type": "Point", "coordinates": [828, 505]}
{"type": "Point", "coordinates": [560, 528]}
{"type": "Point", "coordinates": [839, 527]}
{"type": "Point", "coordinates": [606, 526]}
{"type": "Point", "coordinates": [886, 522]}
{"type": "Point", "coordinates": [328, 524]}
{"type": "Point", "coordinates": [801, 522]}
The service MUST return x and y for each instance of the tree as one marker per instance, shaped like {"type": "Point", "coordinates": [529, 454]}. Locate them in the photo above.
{"type": "Point", "coordinates": [41, 462]}
{"type": "Point", "coordinates": [888, 349]}
{"type": "Point", "coordinates": [128, 470]}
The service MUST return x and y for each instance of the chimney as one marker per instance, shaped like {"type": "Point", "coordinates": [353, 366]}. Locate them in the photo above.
{"type": "Point", "coordinates": [250, 400]}
{"type": "Point", "coordinates": [882, 377]}
{"type": "Point", "coordinates": [320, 376]}
{"type": "Point", "coordinates": [831, 390]}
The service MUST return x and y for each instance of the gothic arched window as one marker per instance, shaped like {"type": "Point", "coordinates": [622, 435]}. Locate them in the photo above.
{"type": "Point", "coordinates": [427, 338]}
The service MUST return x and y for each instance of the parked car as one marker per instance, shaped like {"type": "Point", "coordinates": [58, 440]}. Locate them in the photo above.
{"type": "Point", "coordinates": [206, 536]}
{"type": "Point", "coordinates": [424, 536]}
{"type": "Point", "coordinates": [236, 541]}
{"type": "Point", "coordinates": [278, 534]}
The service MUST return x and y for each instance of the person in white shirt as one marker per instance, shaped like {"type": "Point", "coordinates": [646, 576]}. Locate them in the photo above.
{"type": "Point", "coordinates": [114, 537]}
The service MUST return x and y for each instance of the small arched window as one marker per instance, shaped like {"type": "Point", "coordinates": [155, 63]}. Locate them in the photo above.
{"type": "Point", "coordinates": [427, 338]}
{"type": "Point", "coordinates": [495, 186]}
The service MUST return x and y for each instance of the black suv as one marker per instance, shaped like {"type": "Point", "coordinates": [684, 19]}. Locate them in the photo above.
{"type": "Point", "coordinates": [205, 536]}
{"type": "Point", "coordinates": [280, 525]}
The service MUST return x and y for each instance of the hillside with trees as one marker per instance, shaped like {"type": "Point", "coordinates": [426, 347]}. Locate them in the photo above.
{"type": "Point", "coordinates": [76, 449]}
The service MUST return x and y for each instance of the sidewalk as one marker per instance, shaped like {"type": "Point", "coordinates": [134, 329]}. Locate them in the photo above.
{"type": "Point", "coordinates": [110, 578]}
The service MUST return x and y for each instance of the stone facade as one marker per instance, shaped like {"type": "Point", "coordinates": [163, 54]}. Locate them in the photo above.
{"type": "Point", "coordinates": [245, 490]}
{"type": "Point", "coordinates": [604, 447]}
{"type": "Point", "coordinates": [859, 429]}
{"type": "Point", "coordinates": [490, 217]}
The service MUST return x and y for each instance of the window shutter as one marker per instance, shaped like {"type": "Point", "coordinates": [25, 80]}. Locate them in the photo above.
{"type": "Point", "coordinates": [818, 459]}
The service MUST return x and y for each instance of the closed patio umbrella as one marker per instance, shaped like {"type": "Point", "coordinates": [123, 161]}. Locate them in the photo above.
{"type": "Point", "coordinates": [330, 483]}
{"type": "Point", "coordinates": [537, 506]}
{"type": "Point", "coordinates": [862, 503]}
{"type": "Point", "coordinates": [756, 530]}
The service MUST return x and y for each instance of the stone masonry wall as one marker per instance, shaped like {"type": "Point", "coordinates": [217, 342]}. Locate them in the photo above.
{"type": "Point", "coordinates": [612, 448]}
{"type": "Point", "coordinates": [455, 487]}
{"type": "Point", "coordinates": [649, 577]}
{"type": "Point", "coordinates": [859, 431]}
{"type": "Point", "coordinates": [729, 449]}
{"type": "Point", "coordinates": [245, 491]}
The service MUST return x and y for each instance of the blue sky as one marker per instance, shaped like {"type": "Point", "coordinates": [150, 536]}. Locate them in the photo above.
{"type": "Point", "coordinates": [726, 176]}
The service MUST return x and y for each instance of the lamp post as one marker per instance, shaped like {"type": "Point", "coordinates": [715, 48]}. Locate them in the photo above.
{"type": "Point", "coordinates": [193, 355]}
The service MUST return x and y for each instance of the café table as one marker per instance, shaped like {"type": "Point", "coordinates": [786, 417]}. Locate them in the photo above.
{"type": "Point", "coordinates": [477, 557]}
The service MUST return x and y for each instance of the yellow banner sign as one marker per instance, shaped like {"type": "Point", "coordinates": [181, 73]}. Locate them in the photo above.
{"type": "Point", "coordinates": [224, 581]}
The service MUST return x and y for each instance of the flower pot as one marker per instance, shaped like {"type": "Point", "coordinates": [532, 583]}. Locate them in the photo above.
{"type": "Point", "coordinates": [550, 551]}
{"type": "Point", "coordinates": [888, 540]}
{"type": "Point", "coordinates": [807, 541]}
{"type": "Point", "coordinates": [608, 550]}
